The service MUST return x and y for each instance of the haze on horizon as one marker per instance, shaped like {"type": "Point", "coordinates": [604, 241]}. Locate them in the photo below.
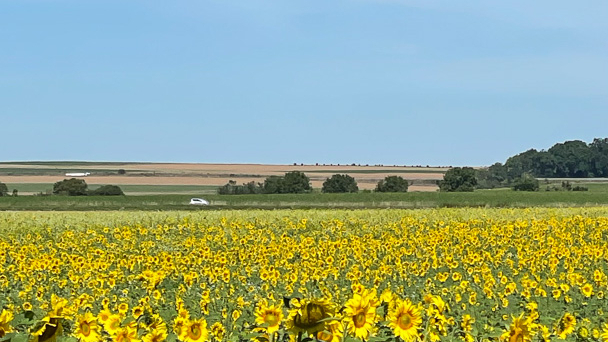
{"type": "Point", "coordinates": [363, 81]}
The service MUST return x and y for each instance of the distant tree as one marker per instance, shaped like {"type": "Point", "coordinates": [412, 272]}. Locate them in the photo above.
{"type": "Point", "coordinates": [458, 179]}
{"type": "Point", "coordinates": [340, 183]}
{"type": "Point", "coordinates": [494, 176]}
{"type": "Point", "coordinates": [273, 185]}
{"type": "Point", "coordinates": [70, 187]}
{"type": "Point", "coordinates": [121, 171]}
{"type": "Point", "coordinates": [599, 157]}
{"type": "Point", "coordinates": [3, 189]}
{"type": "Point", "coordinates": [231, 188]}
{"type": "Point", "coordinates": [15, 192]}
{"type": "Point", "coordinates": [107, 190]}
{"type": "Point", "coordinates": [526, 182]}
{"type": "Point", "coordinates": [295, 182]}
{"type": "Point", "coordinates": [572, 159]}
{"type": "Point", "coordinates": [392, 184]}
{"type": "Point", "coordinates": [519, 164]}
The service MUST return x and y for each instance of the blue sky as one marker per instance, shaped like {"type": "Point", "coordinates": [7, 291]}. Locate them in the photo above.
{"type": "Point", "coordinates": [247, 81]}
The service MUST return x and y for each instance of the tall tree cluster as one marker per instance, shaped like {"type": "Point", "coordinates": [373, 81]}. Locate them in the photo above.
{"type": "Point", "coordinates": [570, 159]}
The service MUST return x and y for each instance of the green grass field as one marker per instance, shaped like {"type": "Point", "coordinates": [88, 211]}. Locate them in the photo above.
{"type": "Point", "coordinates": [480, 198]}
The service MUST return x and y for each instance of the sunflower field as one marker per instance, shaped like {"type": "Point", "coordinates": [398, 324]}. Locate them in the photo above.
{"type": "Point", "coordinates": [305, 275]}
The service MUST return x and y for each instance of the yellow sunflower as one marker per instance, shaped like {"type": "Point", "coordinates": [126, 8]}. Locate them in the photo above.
{"type": "Point", "coordinates": [360, 314]}
{"type": "Point", "coordinates": [60, 307]}
{"type": "Point", "coordinates": [270, 316]}
{"type": "Point", "coordinates": [587, 290]}
{"type": "Point", "coordinates": [87, 329]}
{"type": "Point", "coordinates": [104, 316]}
{"type": "Point", "coordinates": [195, 331]}
{"type": "Point", "coordinates": [5, 318]}
{"type": "Point", "coordinates": [155, 335]}
{"type": "Point", "coordinates": [604, 334]}
{"type": "Point", "coordinates": [566, 326]}
{"type": "Point", "coordinates": [137, 312]}
{"type": "Point", "coordinates": [218, 331]}
{"type": "Point", "coordinates": [333, 333]}
{"type": "Point", "coordinates": [405, 319]}
{"type": "Point", "coordinates": [126, 334]}
{"type": "Point", "coordinates": [521, 330]}
{"type": "Point", "coordinates": [123, 308]}
{"type": "Point", "coordinates": [308, 315]}
{"type": "Point", "coordinates": [112, 324]}
{"type": "Point", "coordinates": [47, 330]}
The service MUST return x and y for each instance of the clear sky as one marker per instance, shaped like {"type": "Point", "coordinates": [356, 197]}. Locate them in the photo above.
{"type": "Point", "coordinates": [362, 81]}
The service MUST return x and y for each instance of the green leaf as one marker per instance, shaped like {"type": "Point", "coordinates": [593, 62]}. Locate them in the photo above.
{"type": "Point", "coordinates": [7, 337]}
{"type": "Point", "coordinates": [20, 338]}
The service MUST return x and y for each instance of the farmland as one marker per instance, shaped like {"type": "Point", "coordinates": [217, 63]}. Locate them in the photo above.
{"type": "Point", "coordinates": [151, 178]}
{"type": "Point", "coordinates": [331, 275]}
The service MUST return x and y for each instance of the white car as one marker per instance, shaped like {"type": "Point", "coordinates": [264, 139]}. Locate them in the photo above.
{"type": "Point", "coordinates": [198, 201]}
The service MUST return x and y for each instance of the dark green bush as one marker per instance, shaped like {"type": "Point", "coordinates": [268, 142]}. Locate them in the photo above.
{"type": "Point", "coordinates": [70, 187]}
{"type": "Point", "coordinates": [392, 184]}
{"type": "Point", "coordinates": [340, 183]}
{"type": "Point", "coordinates": [526, 182]}
{"type": "Point", "coordinates": [458, 179]}
{"type": "Point", "coordinates": [107, 190]}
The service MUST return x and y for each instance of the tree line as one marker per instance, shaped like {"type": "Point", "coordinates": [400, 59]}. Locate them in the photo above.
{"type": "Point", "coordinates": [73, 187]}
{"type": "Point", "coordinates": [570, 159]}
{"type": "Point", "coordinates": [296, 182]}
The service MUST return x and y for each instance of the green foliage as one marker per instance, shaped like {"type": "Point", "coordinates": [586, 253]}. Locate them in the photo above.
{"type": "Point", "coordinates": [70, 187]}
{"type": "Point", "coordinates": [494, 176]}
{"type": "Point", "coordinates": [291, 183]}
{"type": "Point", "coordinates": [458, 179]}
{"type": "Point", "coordinates": [392, 184]}
{"type": "Point", "coordinates": [566, 186]}
{"type": "Point", "coordinates": [3, 189]}
{"type": "Point", "coordinates": [295, 182]}
{"type": "Point", "coordinates": [572, 159]}
{"type": "Point", "coordinates": [107, 190]}
{"type": "Point", "coordinates": [231, 188]}
{"type": "Point", "coordinates": [273, 185]}
{"type": "Point", "coordinates": [526, 182]}
{"type": "Point", "coordinates": [340, 183]}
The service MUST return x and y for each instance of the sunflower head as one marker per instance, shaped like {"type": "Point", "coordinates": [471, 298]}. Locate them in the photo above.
{"type": "Point", "coordinates": [405, 319]}
{"type": "Point", "coordinates": [87, 329]}
{"type": "Point", "coordinates": [195, 331]}
{"type": "Point", "coordinates": [308, 315]}
{"type": "Point", "coordinates": [269, 316]}
{"type": "Point", "coordinates": [521, 330]}
{"type": "Point", "coordinates": [360, 313]}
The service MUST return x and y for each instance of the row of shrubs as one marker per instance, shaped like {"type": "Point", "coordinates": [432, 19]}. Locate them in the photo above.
{"type": "Point", "coordinates": [296, 182]}
{"type": "Point", "coordinates": [78, 187]}
{"type": "Point", "coordinates": [73, 187]}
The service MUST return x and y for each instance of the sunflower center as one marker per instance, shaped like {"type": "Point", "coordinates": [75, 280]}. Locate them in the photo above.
{"type": "Point", "coordinates": [195, 332]}
{"type": "Point", "coordinates": [359, 319]}
{"type": "Point", "coordinates": [114, 324]}
{"type": "Point", "coordinates": [271, 319]}
{"type": "Point", "coordinates": [85, 328]}
{"type": "Point", "coordinates": [324, 336]}
{"type": "Point", "coordinates": [517, 336]}
{"type": "Point", "coordinates": [405, 321]}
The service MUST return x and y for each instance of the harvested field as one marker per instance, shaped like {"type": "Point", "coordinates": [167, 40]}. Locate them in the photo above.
{"type": "Point", "coordinates": [421, 178]}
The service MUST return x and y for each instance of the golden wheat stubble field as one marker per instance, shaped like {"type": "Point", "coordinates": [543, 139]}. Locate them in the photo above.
{"type": "Point", "coordinates": [422, 178]}
{"type": "Point", "coordinates": [300, 275]}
